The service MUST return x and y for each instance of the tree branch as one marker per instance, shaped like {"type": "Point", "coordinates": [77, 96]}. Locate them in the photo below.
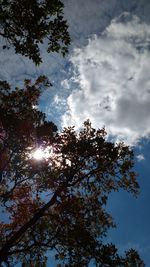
{"type": "Point", "coordinates": [4, 252]}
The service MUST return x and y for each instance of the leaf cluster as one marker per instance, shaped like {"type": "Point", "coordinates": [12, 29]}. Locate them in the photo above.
{"type": "Point", "coordinates": [25, 24]}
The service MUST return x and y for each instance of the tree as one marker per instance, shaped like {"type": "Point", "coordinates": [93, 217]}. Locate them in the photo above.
{"type": "Point", "coordinates": [25, 24]}
{"type": "Point", "coordinates": [58, 202]}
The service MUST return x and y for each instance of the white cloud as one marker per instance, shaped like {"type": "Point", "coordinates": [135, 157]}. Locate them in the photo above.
{"type": "Point", "coordinates": [112, 72]}
{"type": "Point", "coordinates": [140, 157]}
{"type": "Point", "coordinates": [84, 18]}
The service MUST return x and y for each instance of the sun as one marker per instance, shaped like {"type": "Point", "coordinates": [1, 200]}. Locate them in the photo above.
{"type": "Point", "coordinates": [42, 153]}
{"type": "Point", "coordinates": [38, 154]}
{"type": "Point", "coordinates": [47, 154]}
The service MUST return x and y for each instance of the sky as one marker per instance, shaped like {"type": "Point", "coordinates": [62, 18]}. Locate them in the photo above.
{"type": "Point", "coordinates": [105, 78]}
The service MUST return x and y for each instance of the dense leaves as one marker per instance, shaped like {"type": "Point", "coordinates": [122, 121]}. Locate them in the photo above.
{"type": "Point", "coordinates": [25, 24]}
{"type": "Point", "coordinates": [57, 203]}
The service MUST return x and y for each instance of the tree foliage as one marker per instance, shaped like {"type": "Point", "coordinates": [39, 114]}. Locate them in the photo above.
{"type": "Point", "coordinates": [57, 203]}
{"type": "Point", "coordinates": [25, 24]}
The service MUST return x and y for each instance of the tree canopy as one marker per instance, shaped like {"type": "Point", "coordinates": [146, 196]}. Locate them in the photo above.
{"type": "Point", "coordinates": [25, 24]}
{"type": "Point", "coordinates": [58, 202]}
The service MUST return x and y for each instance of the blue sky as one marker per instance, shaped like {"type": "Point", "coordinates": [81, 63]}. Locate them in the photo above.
{"type": "Point", "coordinates": [132, 215]}
{"type": "Point", "coordinates": [104, 78]}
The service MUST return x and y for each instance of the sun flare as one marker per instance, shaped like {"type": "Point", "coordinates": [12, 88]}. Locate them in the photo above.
{"type": "Point", "coordinates": [42, 153]}
{"type": "Point", "coordinates": [38, 154]}
{"type": "Point", "coordinates": [47, 154]}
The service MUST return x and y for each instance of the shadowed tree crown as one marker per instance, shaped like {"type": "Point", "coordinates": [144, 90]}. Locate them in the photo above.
{"type": "Point", "coordinates": [57, 203]}
{"type": "Point", "coordinates": [25, 24]}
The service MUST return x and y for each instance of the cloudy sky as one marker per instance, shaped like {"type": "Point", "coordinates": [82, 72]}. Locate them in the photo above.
{"type": "Point", "coordinates": [104, 78]}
